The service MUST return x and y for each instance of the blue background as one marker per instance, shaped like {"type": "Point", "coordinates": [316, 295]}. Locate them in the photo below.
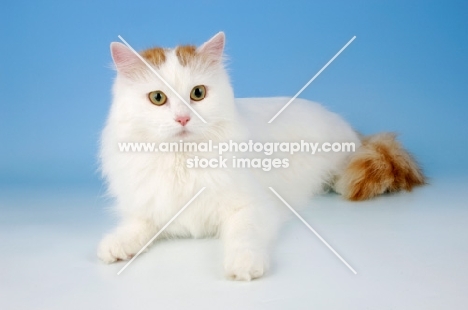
{"type": "Point", "coordinates": [407, 71]}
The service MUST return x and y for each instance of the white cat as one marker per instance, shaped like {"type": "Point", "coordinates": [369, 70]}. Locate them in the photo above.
{"type": "Point", "coordinates": [237, 206]}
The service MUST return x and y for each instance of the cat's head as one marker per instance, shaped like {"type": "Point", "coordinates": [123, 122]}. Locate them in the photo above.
{"type": "Point", "coordinates": [147, 104]}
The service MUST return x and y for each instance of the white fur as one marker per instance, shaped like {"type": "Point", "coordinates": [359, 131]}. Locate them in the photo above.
{"type": "Point", "coordinates": [237, 205]}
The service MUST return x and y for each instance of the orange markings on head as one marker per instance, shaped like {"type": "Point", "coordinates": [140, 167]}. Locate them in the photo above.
{"type": "Point", "coordinates": [186, 53]}
{"type": "Point", "coordinates": [155, 55]}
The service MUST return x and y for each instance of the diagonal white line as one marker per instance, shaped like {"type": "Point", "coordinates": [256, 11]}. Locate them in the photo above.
{"type": "Point", "coordinates": [161, 230]}
{"type": "Point", "coordinates": [312, 79]}
{"type": "Point", "coordinates": [163, 80]}
{"type": "Point", "coordinates": [313, 230]}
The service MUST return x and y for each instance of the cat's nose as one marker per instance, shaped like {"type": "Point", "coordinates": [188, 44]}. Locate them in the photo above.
{"type": "Point", "coordinates": [183, 120]}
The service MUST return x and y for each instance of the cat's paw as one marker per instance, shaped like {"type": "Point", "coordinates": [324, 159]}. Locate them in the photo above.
{"type": "Point", "coordinates": [245, 265]}
{"type": "Point", "coordinates": [112, 249]}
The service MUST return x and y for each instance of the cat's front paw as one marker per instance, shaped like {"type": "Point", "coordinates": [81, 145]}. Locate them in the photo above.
{"type": "Point", "coordinates": [245, 265]}
{"type": "Point", "coordinates": [112, 249]}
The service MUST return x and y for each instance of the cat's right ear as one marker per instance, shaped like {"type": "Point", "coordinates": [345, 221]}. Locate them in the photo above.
{"type": "Point", "coordinates": [214, 47]}
{"type": "Point", "coordinates": [124, 59]}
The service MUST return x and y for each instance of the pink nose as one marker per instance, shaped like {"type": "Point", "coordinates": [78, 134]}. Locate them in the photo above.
{"type": "Point", "coordinates": [183, 120]}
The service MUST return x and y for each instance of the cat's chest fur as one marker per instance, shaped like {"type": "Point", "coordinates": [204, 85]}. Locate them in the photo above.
{"type": "Point", "coordinates": [168, 184]}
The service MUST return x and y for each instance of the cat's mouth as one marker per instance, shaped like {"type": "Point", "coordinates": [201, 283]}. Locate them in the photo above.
{"type": "Point", "coordinates": [183, 133]}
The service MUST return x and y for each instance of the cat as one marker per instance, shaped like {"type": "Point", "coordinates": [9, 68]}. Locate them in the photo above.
{"type": "Point", "coordinates": [237, 206]}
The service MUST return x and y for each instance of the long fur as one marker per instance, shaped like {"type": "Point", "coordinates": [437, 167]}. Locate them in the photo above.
{"type": "Point", "coordinates": [237, 206]}
{"type": "Point", "coordinates": [380, 165]}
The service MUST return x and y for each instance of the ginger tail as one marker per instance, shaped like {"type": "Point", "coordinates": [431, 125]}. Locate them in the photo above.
{"type": "Point", "coordinates": [380, 165]}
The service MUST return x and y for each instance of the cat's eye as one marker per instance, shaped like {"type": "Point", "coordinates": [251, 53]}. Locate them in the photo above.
{"type": "Point", "coordinates": [198, 93]}
{"type": "Point", "coordinates": [157, 97]}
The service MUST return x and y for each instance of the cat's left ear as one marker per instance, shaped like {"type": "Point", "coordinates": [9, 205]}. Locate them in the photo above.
{"type": "Point", "coordinates": [124, 59]}
{"type": "Point", "coordinates": [214, 47]}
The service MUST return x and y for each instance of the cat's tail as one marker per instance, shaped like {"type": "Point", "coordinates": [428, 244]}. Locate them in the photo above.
{"type": "Point", "coordinates": [378, 166]}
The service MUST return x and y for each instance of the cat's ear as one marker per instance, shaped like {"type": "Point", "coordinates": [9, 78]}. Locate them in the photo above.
{"type": "Point", "coordinates": [214, 47]}
{"type": "Point", "coordinates": [124, 59]}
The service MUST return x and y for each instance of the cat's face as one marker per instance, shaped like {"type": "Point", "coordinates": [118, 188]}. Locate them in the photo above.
{"type": "Point", "coordinates": [155, 111]}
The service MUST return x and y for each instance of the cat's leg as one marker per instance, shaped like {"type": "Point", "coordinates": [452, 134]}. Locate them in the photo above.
{"type": "Point", "coordinates": [245, 245]}
{"type": "Point", "coordinates": [127, 239]}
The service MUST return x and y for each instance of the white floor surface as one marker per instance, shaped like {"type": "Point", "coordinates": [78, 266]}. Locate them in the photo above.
{"type": "Point", "coordinates": [410, 251]}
